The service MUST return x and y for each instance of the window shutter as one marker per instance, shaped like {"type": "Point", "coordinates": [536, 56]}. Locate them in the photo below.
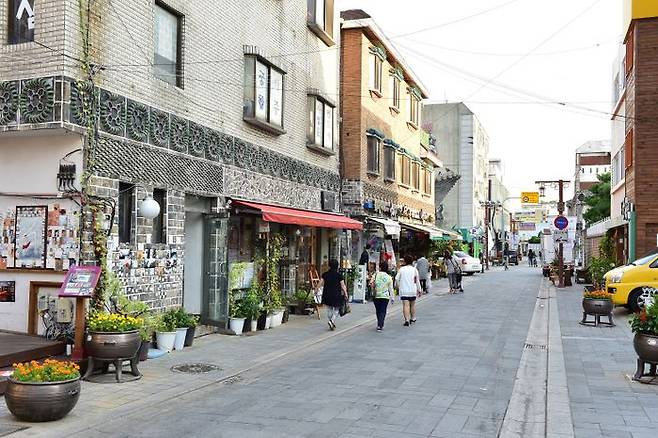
{"type": "Point", "coordinates": [630, 51]}
{"type": "Point", "coordinates": [628, 149]}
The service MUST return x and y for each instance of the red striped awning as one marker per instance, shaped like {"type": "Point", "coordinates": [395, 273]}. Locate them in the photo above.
{"type": "Point", "coordinates": [283, 215]}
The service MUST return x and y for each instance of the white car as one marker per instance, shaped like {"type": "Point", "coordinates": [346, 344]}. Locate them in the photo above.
{"type": "Point", "coordinates": [470, 265]}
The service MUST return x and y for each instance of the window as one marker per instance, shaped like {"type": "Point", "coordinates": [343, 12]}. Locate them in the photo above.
{"type": "Point", "coordinates": [415, 168]}
{"type": "Point", "coordinates": [389, 163]}
{"type": "Point", "coordinates": [630, 52]}
{"type": "Point", "coordinates": [168, 48]}
{"type": "Point", "coordinates": [618, 167]}
{"type": "Point", "coordinates": [263, 95]}
{"type": "Point", "coordinates": [414, 109]}
{"type": "Point", "coordinates": [21, 29]}
{"type": "Point", "coordinates": [395, 92]}
{"type": "Point", "coordinates": [628, 150]}
{"type": "Point", "coordinates": [375, 79]}
{"type": "Point", "coordinates": [373, 154]}
{"type": "Point", "coordinates": [320, 19]}
{"type": "Point", "coordinates": [159, 224]}
{"type": "Point", "coordinates": [321, 123]}
{"type": "Point", "coordinates": [126, 211]}
{"type": "Point", "coordinates": [406, 170]}
{"type": "Point", "coordinates": [429, 175]}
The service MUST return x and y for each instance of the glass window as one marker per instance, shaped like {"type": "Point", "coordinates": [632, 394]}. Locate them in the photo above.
{"type": "Point", "coordinates": [159, 222]}
{"type": "Point", "coordinates": [373, 154]}
{"type": "Point", "coordinates": [406, 170]}
{"type": "Point", "coordinates": [414, 109]}
{"type": "Point", "coordinates": [21, 29]}
{"type": "Point", "coordinates": [389, 163]}
{"type": "Point", "coordinates": [395, 92]}
{"type": "Point", "coordinates": [428, 181]}
{"type": "Point", "coordinates": [320, 15]}
{"type": "Point", "coordinates": [126, 211]}
{"type": "Point", "coordinates": [321, 123]}
{"type": "Point", "coordinates": [375, 78]}
{"type": "Point", "coordinates": [263, 93]}
{"type": "Point", "coordinates": [167, 56]}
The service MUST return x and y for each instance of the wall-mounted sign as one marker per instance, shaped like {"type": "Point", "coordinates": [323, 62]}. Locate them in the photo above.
{"type": "Point", "coordinates": [80, 281]}
{"type": "Point", "coordinates": [21, 21]}
{"type": "Point", "coordinates": [530, 197]}
{"type": "Point", "coordinates": [7, 291]}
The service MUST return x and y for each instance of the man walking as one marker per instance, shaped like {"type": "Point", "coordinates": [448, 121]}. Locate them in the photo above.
{"type": "Point", "coordinates": [365, 256]}
{"type": "Point", "coordinates": [409, 287]}
{"type": "Point", "coordinates": [423, 267]}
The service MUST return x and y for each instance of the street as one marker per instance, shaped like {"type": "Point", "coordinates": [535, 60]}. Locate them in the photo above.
{"type": "Point", "coordinates": [460, 371]}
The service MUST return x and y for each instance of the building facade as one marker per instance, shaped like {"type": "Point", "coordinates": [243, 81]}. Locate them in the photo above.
{"type": "Point", "coordinates": [463, 146]}
{"type": "Point", "coordinates": [220, 114]}
{"type": "Point", "coordinates": [387, 160]}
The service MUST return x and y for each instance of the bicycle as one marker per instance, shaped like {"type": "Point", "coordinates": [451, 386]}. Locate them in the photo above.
{"type": "Point", "coordinates": [55, 330]}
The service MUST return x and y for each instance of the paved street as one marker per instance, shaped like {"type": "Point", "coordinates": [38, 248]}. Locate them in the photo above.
{"type": "Point", "coordinates": [461, 371]}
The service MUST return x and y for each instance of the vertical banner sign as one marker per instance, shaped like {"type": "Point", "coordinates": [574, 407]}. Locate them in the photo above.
{"type": "Point", "coordinates": [276, 99]}
{"type": "Point", "coordinates": [328, 126]}
{"type": "Point", "coordinates": [262, 90]}
{"type": "Point", "coordinates": [21, 21]}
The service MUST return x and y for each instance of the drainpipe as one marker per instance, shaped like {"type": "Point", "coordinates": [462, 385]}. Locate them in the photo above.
{"type": "Point", "coordinates": [632, 232]}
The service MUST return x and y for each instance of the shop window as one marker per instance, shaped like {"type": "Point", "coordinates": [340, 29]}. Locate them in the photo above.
{"type": "Point", "coordinates": [168, 45]}
{"type": "Point", "coordinates": [158, 234]}
{"type": "Point", "coordinates": [389, 163]}
{"type": "Point", "coordinates": [321, 123]}
{"type": "Point", "coordinates": [126, 211]}
{"type": "Point", "coordinates": [373, 154]}
{"type": "Point", "coordinates": [263, 94]}
{"type": "Point", "coordinates": [375, 79]}
{"type": "Point", "coordinates": [395, 92]}
{"type": "Point", "coordinates": [320, 19]}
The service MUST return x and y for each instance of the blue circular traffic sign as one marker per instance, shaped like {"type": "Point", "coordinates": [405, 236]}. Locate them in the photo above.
{"type": "Point", "coordinates": [561, 222]}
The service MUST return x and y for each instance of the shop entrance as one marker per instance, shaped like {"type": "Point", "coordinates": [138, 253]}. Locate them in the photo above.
{"type": "Point", "coordinates": [214, 308]}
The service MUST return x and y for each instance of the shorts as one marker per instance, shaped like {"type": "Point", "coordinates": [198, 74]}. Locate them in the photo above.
{"type": "Point", "coordinates": [408, 298]}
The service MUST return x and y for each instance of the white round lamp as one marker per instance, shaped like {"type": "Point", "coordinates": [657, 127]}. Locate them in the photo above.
{"type": "Point", "coordinates": [149, 208]}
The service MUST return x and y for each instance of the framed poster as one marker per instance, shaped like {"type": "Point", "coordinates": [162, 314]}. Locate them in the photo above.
{"type": "Point", "coordinates": [80, 281]}
{"type": "Point", "coordinates": [30, 236]}
{"type": "Point", "coordinates": [7, 291]}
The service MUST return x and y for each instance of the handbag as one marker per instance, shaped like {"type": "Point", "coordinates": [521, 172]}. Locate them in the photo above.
{"type": "Point", "coordinates": [345, 308]}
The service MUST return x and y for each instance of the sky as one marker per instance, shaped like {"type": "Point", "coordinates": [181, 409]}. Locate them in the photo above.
{"type": "Point", "coordinates": [549, 51]}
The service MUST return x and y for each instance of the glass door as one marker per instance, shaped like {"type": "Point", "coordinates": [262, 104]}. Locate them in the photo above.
{"type": "Point", "coordinates": [214, 309]}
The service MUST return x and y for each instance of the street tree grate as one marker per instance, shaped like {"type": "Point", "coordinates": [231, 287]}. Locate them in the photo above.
{"type": "Point", "coordinates": [195, 368]}
{"type": "Point", "coordinates": [232, 380]}
{"type": "Point", "coordinates": [527, 346]}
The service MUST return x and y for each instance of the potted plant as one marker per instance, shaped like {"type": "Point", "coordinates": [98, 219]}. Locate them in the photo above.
{"type": "Point", "coordinates": [237, 313]}
{"type": "Point", "coordinates": [276, 306]}
{"type": "Point", "coordinates": [165, 332]}
{"type": "Point", "coordinates": [180, 317]}
{"type": "Point", "coordinates": [43, 391]}
{"type": "Point", "coordinates": [597, 302]}
{"type": "Point", "coordinates": [112, 335]}
{"type": "Point", "coordinates": [190, 321]}
{"type": "Point", "coordinates": [645, 326]}
{"type": "Point", "coordinates": [146, 334]}
{"type": "Point", "coordinates": [251, 307]}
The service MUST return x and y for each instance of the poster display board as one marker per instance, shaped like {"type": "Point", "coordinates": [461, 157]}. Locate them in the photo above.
{"type": "Point", "coordinates": [80, 281]}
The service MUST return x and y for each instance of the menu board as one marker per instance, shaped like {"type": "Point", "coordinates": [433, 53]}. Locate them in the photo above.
{"type": "Point", "coordinates": [80, 281]}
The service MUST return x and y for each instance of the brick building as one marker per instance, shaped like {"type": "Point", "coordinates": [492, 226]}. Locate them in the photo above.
{"type": "Point", "coordinates": [387, 161]}
{"type": "Point", "coordinates": [634, 221]}
{"type": "Point", "coordinates": [220, 111]}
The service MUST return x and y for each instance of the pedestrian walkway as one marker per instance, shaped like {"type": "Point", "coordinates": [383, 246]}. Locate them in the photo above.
{"type": "Point", "coordinates": [231, 354]}
{"type": "Point", "coordinates": [599, 361]}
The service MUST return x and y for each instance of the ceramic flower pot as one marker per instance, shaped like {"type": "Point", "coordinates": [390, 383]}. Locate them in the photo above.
{"type": "Point", "coordinates": [113, 345]}
{"type": "Point", "coordinates": [596, 306]}
{"type": "Point", "coordinates": [277, 318]}
{"type": "Point", "coordinates": [144, 351]}
{"type": "Point", "coordinates": [236, 325]}
{"type": "Point", "coordinates": [254, 325]}
{"type": "Point", "coordinates": [179, 340]}
{"type": "Point", "coordinates": [646, 347]}
{"type": "Point", "coordinates": [165, 340]}
{"type": "Point", "coordinates": [189, 336]}
{"type": "Point", "coordinates": [42, 401]}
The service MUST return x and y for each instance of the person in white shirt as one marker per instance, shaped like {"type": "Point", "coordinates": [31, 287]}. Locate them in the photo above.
{"type": "Point", "coordinates": [408, 283]}
{"type": "Point", "coordinates": [423, 267]}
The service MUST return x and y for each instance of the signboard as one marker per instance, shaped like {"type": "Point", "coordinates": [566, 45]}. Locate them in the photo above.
{"type": "Point", "coordinates": [561, 222]}
{"type": "Point", "coordinates": [535, 216]}
{"type": "Point", "coordinates": [561, 236]}
{"type": "Point", "coordinates": [527, 226]}
{"type": "Point", "coordinates": [7, 291]}
{"type": "Point", "coordinates": [80, 281]}
{"type": "Point", "coordinates": [530, 197]}
{"type": "Point", "coordinates": [21, 21]}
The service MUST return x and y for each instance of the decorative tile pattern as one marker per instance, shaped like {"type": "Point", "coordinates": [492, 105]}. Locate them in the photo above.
{"type": "Point", "coordinates": [112, 113]}
{"type": "Point", "coordinates": [8, 102]}
{"type": "Point", "coordinates": [159, 128]}
{"type": "Point", "coordinates": [179, 134]}
{"type": "Point", "coordinates": [81, 102]}
{"type": "Point", "coordinates": [36, 100]}
{"type": "Point", "coordinates": [138, 123]}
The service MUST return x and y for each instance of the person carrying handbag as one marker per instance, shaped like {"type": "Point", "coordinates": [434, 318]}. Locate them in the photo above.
{"type": "Point", "coordinates": [454, 272]}
{"type": "Point", "coordinates": [334, 293]}
{"type": "Point", "coordinates": [382, 287]}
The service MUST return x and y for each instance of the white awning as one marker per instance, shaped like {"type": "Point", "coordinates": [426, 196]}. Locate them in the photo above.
{"type": "Point", "coordinates": [434, 232]}
{"type": "Point", "coordinates": [392, 228]}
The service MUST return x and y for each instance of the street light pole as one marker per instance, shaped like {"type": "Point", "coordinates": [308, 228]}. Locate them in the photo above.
{"type": "Point", "coordinates": [487, 210]}
{"type": "Point", "coordinates": [561, 184]}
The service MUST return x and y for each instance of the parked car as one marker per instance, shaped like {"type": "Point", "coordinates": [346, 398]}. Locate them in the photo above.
{"type": "Point", "coordinates": [632, 284]}
{"type": "Point", "coordinates": [513, 258]}
{"type": "Point", "coordinates": [470, 265]}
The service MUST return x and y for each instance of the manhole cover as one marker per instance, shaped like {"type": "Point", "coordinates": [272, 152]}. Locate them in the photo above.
{"type": "Point", "coordinates": [233, 380]}
{"type": "Point", "coordinates": [534, 346]}
{"type": "Point", "coordinates": [195, 368]}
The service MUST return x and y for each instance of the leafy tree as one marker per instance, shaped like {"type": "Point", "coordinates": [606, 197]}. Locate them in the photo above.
{"type": "Point", "coordinates": [598, 200]}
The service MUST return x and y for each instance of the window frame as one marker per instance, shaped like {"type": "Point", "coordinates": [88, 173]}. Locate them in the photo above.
{"type": "Point", "coordinates": [159, 226]}
{"type": "Point", "coordinates": [396, 86]}
{"type": "Point", "coordinates": [250, 86]}
{"type": "Point", "coordinates": [390, 155]}
{"type": "Point", "coordinates": [180, 18]}
{"type": "Point", "coordinates": [126, 203]}
{"type": "Point", "coordinates": [415, 176]}
{"type": "Point", "coordinates": [373, 168]}
{"type": "Point", "coordinates": [311, 138]}
{"type": "Point", "coordinates": [628, 150]}
{"type": "Point", "coordinates": [429, 174]}
{"type": "Point", "coordinates": [414, 110]}
{"type": "Point", "coordinates": [324, 31]}
{"type": "Point", "coordinates": [405, 171]}
{"type": "Point", "coordinates": [376, 72]}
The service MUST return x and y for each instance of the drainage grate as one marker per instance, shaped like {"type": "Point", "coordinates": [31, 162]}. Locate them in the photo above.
{"type": "Point", "coordinates": [195, 368]}
{"type": "Point", "coordinates": [527, 346]}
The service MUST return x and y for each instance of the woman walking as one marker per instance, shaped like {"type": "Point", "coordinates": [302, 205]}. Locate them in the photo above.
{"type": "Point", "coordinates": [454, 272]}
{"type": "Point", "coordinates": [409, 285]}
{"type": "Point", "coordinates": [334, 292]}
{"type": "Point", "coordinates": [382, 286]}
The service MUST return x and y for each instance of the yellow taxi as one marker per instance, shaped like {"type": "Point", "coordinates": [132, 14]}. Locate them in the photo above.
{"type": "Point", "coordinates": [632, 284]}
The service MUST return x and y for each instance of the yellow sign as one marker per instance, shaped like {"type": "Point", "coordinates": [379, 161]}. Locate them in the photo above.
{"type": "Point", "coordinates": [636, 9]}
{"type": "Point", "coordinates": [530, 197]}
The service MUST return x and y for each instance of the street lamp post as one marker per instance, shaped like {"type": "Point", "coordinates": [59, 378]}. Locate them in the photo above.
{"type": "Point", "coordinates": [488, 205]}
{"type": "Point", "coordinates": [560, 184]}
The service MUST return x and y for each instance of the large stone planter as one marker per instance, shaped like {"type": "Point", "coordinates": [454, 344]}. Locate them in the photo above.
{"type": "Point", "coordinates": [38, 401]}
{"type": "Point", "coordinates": [646, 347]}
{"type": "Point", "coordinates": [112, 346]}
{"type": "Point", "coordinates": [597, 307]}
